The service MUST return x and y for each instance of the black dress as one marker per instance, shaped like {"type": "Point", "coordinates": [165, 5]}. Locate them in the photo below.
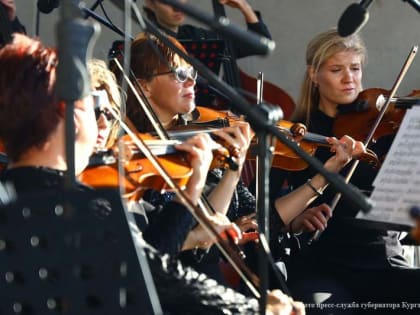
{"type": "Point", "coordinates": [351, 262]}
{"type": "Point", "coordinates": [181, 290]}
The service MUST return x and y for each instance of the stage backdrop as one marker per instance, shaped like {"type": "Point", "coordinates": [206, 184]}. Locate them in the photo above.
{"type": "Point", "coordinates": [391, 31]}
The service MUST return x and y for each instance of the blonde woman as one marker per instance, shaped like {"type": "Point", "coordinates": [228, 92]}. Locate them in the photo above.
{"type": "Point", "coordinates": [351, 262]}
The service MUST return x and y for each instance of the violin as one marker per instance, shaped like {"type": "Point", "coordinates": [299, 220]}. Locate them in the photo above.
{"type": "Point", "coordinates": [283, 157]}
{"type": "Point", "coordinates": [139, 172]}
{"type": "Point", "coordinates": [357, 119]}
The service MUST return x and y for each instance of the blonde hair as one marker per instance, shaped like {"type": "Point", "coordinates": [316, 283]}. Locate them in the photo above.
{"type": "Point", "coordinates": [103, 79]}
{"type": "Point", "coordinates": [322, 47]}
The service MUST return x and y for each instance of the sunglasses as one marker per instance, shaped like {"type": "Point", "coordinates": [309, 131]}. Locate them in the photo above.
{"type": "Point", "coordinates": [100, 98]}
{"type": "Point", "coordinates": [181, 74]}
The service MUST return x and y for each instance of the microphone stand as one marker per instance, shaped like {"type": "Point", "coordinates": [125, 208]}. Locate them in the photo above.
{"type": "Point", "coordinates": [75, 38]}
{"type": "Point", "coordinates": [264, 159]}
{"type": "Point", "coordinates": [90, 13]}
{"type": "Point", "coordinates": [261, 118]}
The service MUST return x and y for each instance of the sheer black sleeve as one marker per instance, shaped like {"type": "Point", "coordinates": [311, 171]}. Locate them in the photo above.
{"type": "Point", "coordinates": [168, 227]}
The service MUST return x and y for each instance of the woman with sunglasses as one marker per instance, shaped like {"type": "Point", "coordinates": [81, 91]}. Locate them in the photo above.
{"type": "Point", "coordinates": [167, 81]}
{"type": "Point", "coordinates": [106, 95]}
{"type": "Point", "coordinates": [170, 92]}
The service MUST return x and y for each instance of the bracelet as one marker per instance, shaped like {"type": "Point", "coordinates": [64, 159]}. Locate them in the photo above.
{"type": "Point", "coordinates": [318, 192]}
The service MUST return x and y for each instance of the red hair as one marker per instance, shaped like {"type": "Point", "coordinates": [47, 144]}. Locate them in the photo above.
{"type": "Point", "coordinates": [29, 110]}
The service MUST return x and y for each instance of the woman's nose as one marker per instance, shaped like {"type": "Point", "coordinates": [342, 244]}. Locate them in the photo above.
{"type": "Point", "coordinates": [190, 81]}
{"type": "Point", "coordinates": [348, 75]}
{"type": "Point", "coordinates": [102, 122]}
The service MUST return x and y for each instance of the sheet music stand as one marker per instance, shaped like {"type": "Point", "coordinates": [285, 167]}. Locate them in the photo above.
{"type": "Point", "coordinates": [69, 254]}
{"type": "Point", "coordinates": [210, 52]}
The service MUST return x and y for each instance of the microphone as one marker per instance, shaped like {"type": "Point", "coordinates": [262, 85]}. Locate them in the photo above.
{"type": "Point", "coordinates": [414, 3]}
{"type": "Point", "coordinates": [415, 212]}
{"type": "Point", "coordinates": [354, 18]}
{"type": "Point", "coordinates": [46, 6]}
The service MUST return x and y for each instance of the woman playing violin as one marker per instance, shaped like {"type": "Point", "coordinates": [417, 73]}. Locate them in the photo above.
{"type": "Point", "coordinates": [32, 127]}
{"type": "Point", "coordinates": [103, 80]}
{"type": "Point", "coordinates": [349, 262]}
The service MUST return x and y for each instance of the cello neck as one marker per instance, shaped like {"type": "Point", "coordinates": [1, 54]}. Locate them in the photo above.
{"type": "Point", "coordinates": [230, 67]}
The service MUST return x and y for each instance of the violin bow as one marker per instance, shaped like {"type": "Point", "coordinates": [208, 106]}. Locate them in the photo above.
{"type": "Point", "coordinates": [369, 137]}
{"type": "Point", "coordinates": [157, 126]}
{"type": "Point", "coordinates": [204, 207]}
{"type": "Point", "coordinates": [250, 279]}
{"type": "Point", "coordinates": [198, 213]}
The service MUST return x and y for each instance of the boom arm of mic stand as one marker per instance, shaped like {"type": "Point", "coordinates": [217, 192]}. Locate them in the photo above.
{"type": "Point", "coordinates": [91, 13]}
{"type": "Point", "coordinates": [76, 38]}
